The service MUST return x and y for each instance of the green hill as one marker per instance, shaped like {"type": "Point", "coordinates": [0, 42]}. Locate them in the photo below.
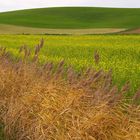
{"type": "Point", "coordinates": [74, 17]}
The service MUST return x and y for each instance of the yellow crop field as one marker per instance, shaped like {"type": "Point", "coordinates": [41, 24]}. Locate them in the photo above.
{"type": "Point", "coordinates": [121, 53]}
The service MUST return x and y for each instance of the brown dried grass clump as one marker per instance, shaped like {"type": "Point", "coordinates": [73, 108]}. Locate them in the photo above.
{"type": "Point", "coordinates": [50, 103]}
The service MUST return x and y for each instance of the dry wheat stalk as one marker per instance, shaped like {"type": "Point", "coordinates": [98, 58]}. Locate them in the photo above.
{"type": "Point", "coordinates": [40, 103]}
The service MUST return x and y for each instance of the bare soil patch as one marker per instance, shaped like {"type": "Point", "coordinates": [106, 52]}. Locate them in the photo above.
{"type": "Point", "coordinates": [131, 31]}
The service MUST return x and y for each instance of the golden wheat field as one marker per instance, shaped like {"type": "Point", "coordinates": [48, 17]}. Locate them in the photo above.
{"type": "Point", "coordinates": [55, 102]}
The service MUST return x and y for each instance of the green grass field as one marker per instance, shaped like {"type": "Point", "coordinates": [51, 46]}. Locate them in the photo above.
{"type": "Point", "coordinates": [118, 52]}
{"type": "Point", "coordinates": [73, 18]}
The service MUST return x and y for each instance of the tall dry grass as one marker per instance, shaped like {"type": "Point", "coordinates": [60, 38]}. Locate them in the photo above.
{"type": "Point", "coordinates": [51, 103]}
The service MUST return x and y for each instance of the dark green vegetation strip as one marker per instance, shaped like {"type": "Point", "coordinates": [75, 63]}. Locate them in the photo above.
{"type": "Point", "coordinates": [2, 132]}
{"type": "Point", "coordinates": [74, 18]}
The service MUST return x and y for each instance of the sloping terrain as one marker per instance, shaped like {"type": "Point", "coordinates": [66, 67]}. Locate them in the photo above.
{"type": "Point", "coordinates": [131, 31]}
{"type": "Point", "coordinates": [12, 29]}
{"type": "Point", "coordinates": [73, 18]}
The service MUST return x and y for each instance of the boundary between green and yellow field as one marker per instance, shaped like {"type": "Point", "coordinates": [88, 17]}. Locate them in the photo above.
{"type": "Point", "coordinates": [12, 29]}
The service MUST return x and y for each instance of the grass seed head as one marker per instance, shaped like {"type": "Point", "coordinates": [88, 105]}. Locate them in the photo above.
{"type": "Point", "coordinates": [96, 57]}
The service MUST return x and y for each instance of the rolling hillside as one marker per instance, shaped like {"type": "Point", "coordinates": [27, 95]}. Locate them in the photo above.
{"type": "Point", "coordinates": [73, 18]}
